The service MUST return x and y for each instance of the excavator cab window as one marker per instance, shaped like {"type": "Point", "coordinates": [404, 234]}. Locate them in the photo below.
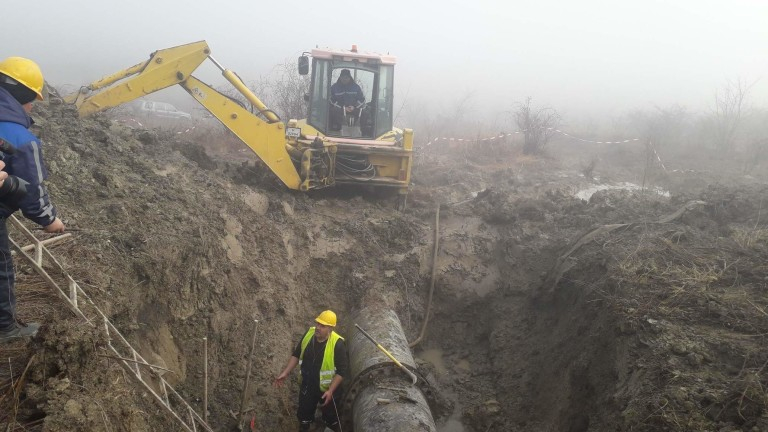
{"type": "Point", "coordinates": [319, 100]}
{"type": "Point", "coordinates": [366, 120]}
{"type": "Point", "coordinates": [384, 98]}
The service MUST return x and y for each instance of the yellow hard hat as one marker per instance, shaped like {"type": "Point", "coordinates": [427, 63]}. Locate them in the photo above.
{"type": "Point", "coordinates": [26, 72]}
{"type": "Point", "coordinates": [327, 318]}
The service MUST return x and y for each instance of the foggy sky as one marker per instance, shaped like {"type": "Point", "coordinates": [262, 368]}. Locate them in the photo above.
{"type": "Point", "coordinates": [589, 56]}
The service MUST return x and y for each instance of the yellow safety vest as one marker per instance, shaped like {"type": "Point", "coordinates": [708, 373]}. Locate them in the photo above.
{"type": "Point", "coordinates": [328, 368]}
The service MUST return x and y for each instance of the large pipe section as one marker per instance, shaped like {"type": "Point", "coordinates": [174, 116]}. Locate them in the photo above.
{"type": "Point", "coordinates": [382, 397]}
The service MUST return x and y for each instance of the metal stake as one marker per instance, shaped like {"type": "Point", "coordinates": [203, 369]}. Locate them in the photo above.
{"type": "Point", "coordinates": [205, 379]}
{"type": "Point", "coordinates": [248, 374]}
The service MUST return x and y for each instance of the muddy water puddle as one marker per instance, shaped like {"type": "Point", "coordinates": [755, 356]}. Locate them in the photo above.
{"type": "Point", "coordinates": [587, 193]}
{"type": "Point", "coordinates": [435, 357]}
{"type": "Point", "coordinates": [452, 425]}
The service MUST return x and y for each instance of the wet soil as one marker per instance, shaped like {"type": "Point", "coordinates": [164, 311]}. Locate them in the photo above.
{"type": "Point", "coordinates": [178, 236]}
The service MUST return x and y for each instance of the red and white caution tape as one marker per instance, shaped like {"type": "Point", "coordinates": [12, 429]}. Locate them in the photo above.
{"type": "Point", "coordinates": [130, 120]}
{"type": "Point", "coordinates": [185, 131]}
{"type": "Point", "coordinates": [591, 141]}
{"type": "Point", "coordinates": [504, 135]}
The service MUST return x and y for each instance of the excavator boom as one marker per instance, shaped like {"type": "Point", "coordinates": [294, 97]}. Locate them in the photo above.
{"type": "Point", "coordinates": [175, 65]}
{"type": "Point", "coordinates": [164, 68]}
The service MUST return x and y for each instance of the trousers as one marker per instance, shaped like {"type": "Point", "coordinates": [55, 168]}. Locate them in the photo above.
{"type": "Point", "coordinates": [7, 280]}
{"type": "Point", "coordinates": [309, 399]}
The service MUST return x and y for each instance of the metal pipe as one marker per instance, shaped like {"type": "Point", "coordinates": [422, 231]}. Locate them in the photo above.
{"type": "Point", "coordinates": [389, 406]}
{"type": "Point", "coordinates": [382, 398]}
{"type": "Point", "coordinates": [388, 354]}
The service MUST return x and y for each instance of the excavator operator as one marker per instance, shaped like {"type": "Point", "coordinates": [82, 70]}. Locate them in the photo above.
{"type": "Point", "coordinates": [347, 100]}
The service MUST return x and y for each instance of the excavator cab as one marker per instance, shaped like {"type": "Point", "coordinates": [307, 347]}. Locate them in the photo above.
{"type": "Point", "coordinates": [370, 118]}
{"type": "Point", "coordinates": [368, 149]}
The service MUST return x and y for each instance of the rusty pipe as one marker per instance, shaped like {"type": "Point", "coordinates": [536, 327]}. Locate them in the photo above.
{"type": "Point", "coordinates": [381, 397]}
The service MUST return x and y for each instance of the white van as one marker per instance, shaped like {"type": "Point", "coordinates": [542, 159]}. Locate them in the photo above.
{"type": "Point", "coordinates": [160, 109]}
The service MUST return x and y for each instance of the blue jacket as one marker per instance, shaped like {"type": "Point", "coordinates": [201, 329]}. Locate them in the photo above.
{"type": "Point", "coordinates": [347, 95]}
{"type": "Point", "coordinates": [26, 163]}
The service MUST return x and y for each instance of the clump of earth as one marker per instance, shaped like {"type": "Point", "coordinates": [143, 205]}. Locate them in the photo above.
{"type": "Point", "coordinates": [550, 312]}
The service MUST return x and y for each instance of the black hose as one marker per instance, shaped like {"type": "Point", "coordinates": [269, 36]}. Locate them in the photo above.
{"type": "Point", "coordinates": [431, 280]}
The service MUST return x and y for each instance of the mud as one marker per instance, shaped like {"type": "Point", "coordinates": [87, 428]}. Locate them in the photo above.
{"type": "Point", "coordinates": [178, 237]}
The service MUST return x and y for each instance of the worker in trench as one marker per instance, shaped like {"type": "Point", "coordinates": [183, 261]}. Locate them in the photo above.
{"type": "Point", "coordinates": [21, 83]}
{"type": "Point", "coordinates": [322, 359]}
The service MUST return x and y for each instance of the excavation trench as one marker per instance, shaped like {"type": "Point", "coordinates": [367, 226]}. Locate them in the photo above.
{"type": "Point", "coordinates": [646, 327]}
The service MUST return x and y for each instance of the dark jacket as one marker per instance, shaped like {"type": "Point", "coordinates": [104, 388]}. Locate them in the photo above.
{"type": "Point", "coordinates": [347, 95]}
{"type": "Point", "coordinates": [26, 163]}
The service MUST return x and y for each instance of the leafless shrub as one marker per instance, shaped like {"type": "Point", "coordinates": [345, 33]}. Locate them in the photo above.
{"type": "Point", "coordinates": [283, 91]}
{"type": "Point", "coordinates": [537, 125]}
{"type": "Point", "coordinates": [728, 112]}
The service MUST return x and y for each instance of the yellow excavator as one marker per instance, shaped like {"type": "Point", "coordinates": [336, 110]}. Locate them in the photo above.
{"type": "Point", "coordinates": [358, 146]}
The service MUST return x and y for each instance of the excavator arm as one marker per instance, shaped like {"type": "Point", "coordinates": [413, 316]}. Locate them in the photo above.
{"type": "Point", "coordinates": [167, 67]}
{"type": "Point", "coordinates": [267, 140]}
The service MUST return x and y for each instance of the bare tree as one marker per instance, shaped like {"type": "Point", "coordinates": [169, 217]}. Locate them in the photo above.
{"type": "Point", "coordinates": [283, 91]}
{"type": "Point", "coordinates": [537, 125]}
{"type": "Point", "coordinates": [729, 111]}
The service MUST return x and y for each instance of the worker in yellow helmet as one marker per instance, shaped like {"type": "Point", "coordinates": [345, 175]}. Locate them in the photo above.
{"type": "Point", "coordinates": [21, 83]}
{"type": "Point", "coordinates": [322, 359]}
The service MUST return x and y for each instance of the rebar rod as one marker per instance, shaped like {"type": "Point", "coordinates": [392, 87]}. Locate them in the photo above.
{"type": "Point", "coordinates": [205, 379]}
{"type": "Point", "coordinates": [244, 398]}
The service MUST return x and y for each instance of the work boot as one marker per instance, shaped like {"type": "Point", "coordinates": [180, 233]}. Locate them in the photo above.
{"type": "Point", "coordinates": [18, 331]}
